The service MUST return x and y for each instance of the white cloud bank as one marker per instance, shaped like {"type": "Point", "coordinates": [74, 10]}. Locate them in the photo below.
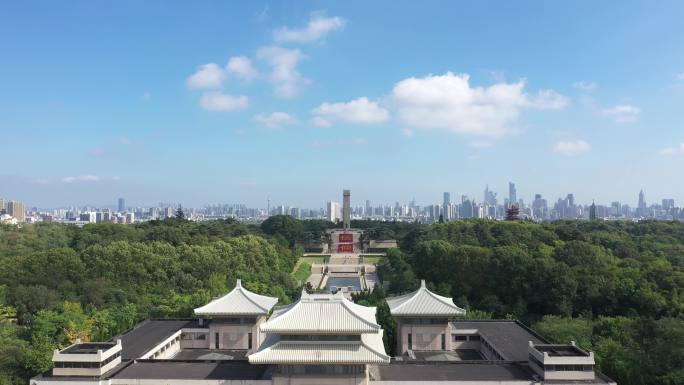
{"type": "Point", "coordinates": [571, 148]}
{"type": "Point", "coordinates": [207, 76]}
{"type": "Point", "coordinates": [450, 103]}
{"type": "Point", "coordinates": [80, 178]}
{"type": "Point", "coordinates": [318, 27]}
{"type": "Point", "coordinates": [217, 101]}
{"type": "Point", "coordinates": [284, 75]}
{"type": "Point", "coordinates": [624, 113]}
{"type": "Point", "coordinates": [359, 110]}
{"type": "Point", "coordinates": [275, 119]}
{"type": "Point", "coordinates": [672, 151]}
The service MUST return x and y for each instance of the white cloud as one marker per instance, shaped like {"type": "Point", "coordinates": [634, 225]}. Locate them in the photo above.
{"type": "Point", "coordinates": [116, 178]}
{"type": "Point", "coordinates": [407, 132]}
{"type": "Point", "coordinates": [275, 119]}
{"type": "Point", "coordinates": [572, 147]}
{"type": "Point", "coordinates": [242, 67]}
{"type": "Point", "coordinates": [622, 113]}
{"type": "Point", "coordinates": [217, 101]}
{"type": "Point", "coordinates": [680, 76]}
{"type": "Point", "coordinates": [353, 141]}
{"type": "Point", "coordinates": [671, 151]}
{"type": "Point", "coordinates": [481, 144]}
{"type": "Point", "coordinates": [287, 80]}
{"type": "Point", "coordinates": [448, 102]}
{"type": "Point", "coordinates": [207, 76]}
{"type": "Point", "coordinates": [585, 86]}
{"type": "Point", "coordinates": [359, 110]}
{"type": "Point", "coordinates": [81, 178]}
{"type": "Point", "coordinates": [320, 122]}
{"type": "Point", "coordinates": [547, 100]}
{"type": "Point", "coordinates": [318, 27]}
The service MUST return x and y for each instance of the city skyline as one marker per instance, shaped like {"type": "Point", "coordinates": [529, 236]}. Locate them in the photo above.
{"type": "Point", "coordinates": [241, 102]}
{"type": "Point", "coordinates": [488, 196]}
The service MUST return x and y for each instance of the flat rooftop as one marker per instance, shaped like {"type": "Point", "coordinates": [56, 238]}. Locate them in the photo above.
{"type": "Point", "coordinates": [147, 334]}
{"type": "Point", "coordinates": [562, 350]}
{"type": "Point", "coordinates": [230, 370]}
{"type": "Point", "coordinates": [509, 338]}
{"type": "Point", "coordinates": [210, 355]}
{"type": "Point", "coordinates": [413, 371]}
{"type": "Point", "coordinates": [454, 355]}
{"type": "Point", "coordinates": [88, 348]}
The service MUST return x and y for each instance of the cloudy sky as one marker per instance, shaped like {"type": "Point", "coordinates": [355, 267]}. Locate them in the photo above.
{"type": "Point", "coordinates": [205, 102]}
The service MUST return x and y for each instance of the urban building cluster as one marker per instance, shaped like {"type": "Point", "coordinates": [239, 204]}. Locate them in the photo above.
{"type": "Point", "coordinates": [490, 207]}
{"type": "Point", "coordinates": [244, 338]}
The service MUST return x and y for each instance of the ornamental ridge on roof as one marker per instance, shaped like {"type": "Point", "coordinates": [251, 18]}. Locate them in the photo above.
{"type": "Point", "coordinates": [423, 302]}
{"type": "Point", "coordinates": [238, 301]}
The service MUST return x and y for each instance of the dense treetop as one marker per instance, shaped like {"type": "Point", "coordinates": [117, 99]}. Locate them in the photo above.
{"type": "Point", "coordinates": [615, 287]}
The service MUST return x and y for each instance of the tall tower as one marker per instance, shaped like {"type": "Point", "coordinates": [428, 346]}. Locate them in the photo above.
{"type": "Point", "coordinates": [445, 206]}
{"type": "Point", "coordinates": [346, 208]}
{"type": "Point", "coordinates": [512, 194]}
{"type": "Point", "coordinates": [122, 205]}
{"type": "Point", "coordinates": [641, 209]}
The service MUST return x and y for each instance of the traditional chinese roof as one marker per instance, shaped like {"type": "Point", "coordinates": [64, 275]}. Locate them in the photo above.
{"type": "Point", "coordinates": [322, 314]}
{"type": "Point", "coordinates": [369, 350]}
{"type": "Point", "coordinates": [423, 302]}
{"type": "Point", "coordinates": [239, 301]}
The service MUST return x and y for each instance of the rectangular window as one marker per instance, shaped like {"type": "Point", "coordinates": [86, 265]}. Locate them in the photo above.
{"type": "Point", "coordinates": [460, 337]}
{"type": "Point", "coordinates": [443, 341]}
{"type": "Point", "coordinates": [249, 340]}
{"type": "Point", "coordinates": [216, 340]}
{"type": "Point", "coordinates": [474, 338]}
{"type": "Point", "coordinates": [410, 341]}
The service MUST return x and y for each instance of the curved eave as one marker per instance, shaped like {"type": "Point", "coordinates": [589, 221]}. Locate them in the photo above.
{"type": "Point", "coordinates": [293, 354]}
{"type": "Point", "coordinates": [219, 314]}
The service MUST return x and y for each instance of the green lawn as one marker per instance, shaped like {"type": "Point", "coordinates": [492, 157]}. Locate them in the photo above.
{"type": "Point", "coordinates": [312, 260]}
{"type": "Point", "coordinates": [302, 271]}
{"type": "Point", "coordinates": [373, 259]}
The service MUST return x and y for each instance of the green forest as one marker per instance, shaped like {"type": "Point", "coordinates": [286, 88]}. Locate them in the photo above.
{"type": "Point", "coordinates": [617, 288]}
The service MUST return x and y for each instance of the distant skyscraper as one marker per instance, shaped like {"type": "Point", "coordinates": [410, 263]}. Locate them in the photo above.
{"type": "Point", "coordinates": [2, 206]}
{"type": "Point", "coordinates": [333, 211]}
{"type": "Point", "coordinates": [445, 206]}
{"type": "Point", "coordinates": [489, 196]}
{"type": "Point", "coordinates": [641, 208]}
{"type": "Point", "coordinates": [512, 194]}
{"type": "Point", "coordinates": [122, 205]}
{"type": "Point", "coordinates": [592, 211]}
{"type": "Point", "coordinates": [369, 208]}
{"type": "Point", "coordinates": [346, 208]}
{"type": "Point", "coordinates": [16, 210]}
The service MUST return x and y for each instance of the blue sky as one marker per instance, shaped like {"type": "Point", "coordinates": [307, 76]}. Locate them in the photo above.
{"type": "Point", "coordinates": [204, 102]}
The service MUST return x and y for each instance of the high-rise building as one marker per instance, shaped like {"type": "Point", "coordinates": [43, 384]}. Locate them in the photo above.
{"type": "Point", "coordinates": [333, 211]}
{"type": "Point", "coordinates": [445, 205]}
{"type": "Point", "coordinates": [539, 207]}
{"type": "Point", "coordinates": [512, 194]}
{"type": "Point", "coordinates": [2, 206]}
{"type": "Point", "coordinates": [641, 208]}
{"type": "Point", "coordinates": [592, 211]}
{"type": "Point", "coordinates": [369, 209]}
{"type": "Point", "coordinates": [346, 208]}
{"type": "Point", "coordinates": [15, 209]}
{"type": "Point", "coordinates": [122, 205]}
{"type": "Point", "coordinates": [489, 196]}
